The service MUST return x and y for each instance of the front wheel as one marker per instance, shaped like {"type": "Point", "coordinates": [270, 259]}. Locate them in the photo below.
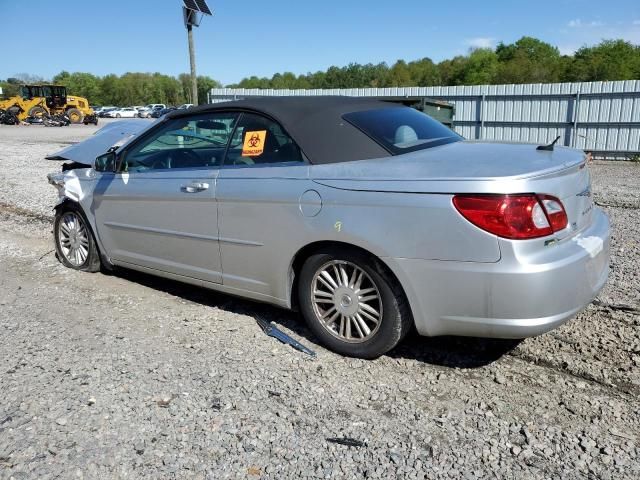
{"type": "Point", "coordinates": [75, 115]}
{"type": "Point", "coordinates": [75, 246]}
{"type": "Point", "coordinates": [352, 304]}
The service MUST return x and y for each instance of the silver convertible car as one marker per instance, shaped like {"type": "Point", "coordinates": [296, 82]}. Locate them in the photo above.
{"type": "Point", "coordinates": [371, 218]}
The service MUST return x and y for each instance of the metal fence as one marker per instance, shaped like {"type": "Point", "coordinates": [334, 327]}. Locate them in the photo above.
{"type": "Point", "coordinates": [601, 117]}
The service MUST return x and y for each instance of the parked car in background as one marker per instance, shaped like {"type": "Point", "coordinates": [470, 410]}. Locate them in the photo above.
{"type": "Point", "coordinates": [145, 112]}
{"type": "Point", "coordinates": [380, 219]}
{"type": "Point", "coordinates": [184, 106]}
{"type": "Point", "coordinates": [126, 112]}
{"type": "Point", "coordinates": [161, 112]}
{"type": "Point", "coordinates": [104, 110]}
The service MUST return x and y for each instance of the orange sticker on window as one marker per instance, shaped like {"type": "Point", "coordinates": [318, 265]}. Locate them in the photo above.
{"type": "Point", "coordinates": [254, 143]}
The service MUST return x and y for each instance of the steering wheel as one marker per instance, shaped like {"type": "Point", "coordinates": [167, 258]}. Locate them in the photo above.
{"type": "Point", "coordinates": [161, 162]}
{"type": "Point", "coordinates": [181, 158]}
{"type": "Point", "coordinates": [178, 158]}
{"type": "Point", "coordinates": [244, 161]}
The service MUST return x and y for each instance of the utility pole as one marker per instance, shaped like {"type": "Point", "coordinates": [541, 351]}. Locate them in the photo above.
{"type": "Point", "coordinates": [192, 60]}
{"type": "Point", "coordinates": [193, 11]}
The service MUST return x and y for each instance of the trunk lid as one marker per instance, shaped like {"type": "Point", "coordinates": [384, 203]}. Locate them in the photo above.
{"type": "Point", "coordinates": [456, 161]}
{"type": "Point", "coordinates": [474, 167]}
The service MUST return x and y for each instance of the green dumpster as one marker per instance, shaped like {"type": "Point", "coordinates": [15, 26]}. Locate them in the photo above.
{"type": "Point", "coordinates": [437, 109]}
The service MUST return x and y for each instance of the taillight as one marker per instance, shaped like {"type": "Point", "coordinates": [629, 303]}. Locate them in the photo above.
{"type": "Point", "coordinates": [555, 212]}
{"type": "Point", "coordinates": [513, 216]}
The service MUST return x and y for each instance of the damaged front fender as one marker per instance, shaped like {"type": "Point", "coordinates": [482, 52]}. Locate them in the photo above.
{"type": "Point", "coordinates": [77, 187]}
{"type": "Point", "coordinates": [72, 184]}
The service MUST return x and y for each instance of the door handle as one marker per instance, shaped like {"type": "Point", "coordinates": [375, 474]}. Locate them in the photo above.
{"type": "Point", "coordinates": [195, 187]}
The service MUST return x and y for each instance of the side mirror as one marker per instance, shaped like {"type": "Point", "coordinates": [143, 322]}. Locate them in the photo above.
{"type": "Point", "coordinates": [106, 162]}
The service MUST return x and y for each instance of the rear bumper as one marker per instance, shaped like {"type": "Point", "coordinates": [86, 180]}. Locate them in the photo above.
{"type": "Point", "coordinates": [528, 292]}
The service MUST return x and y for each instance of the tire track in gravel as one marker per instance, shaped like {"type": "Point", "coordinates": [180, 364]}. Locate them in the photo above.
{"type": "Point", "coordinates": [629, 206]}
{"type": "Point", "coordinates": [627, 390]}
{"type": "Point", "coordinates": [9, 209]}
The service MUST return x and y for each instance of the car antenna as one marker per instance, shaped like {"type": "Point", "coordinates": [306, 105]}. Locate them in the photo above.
{"type": "Point", "coordinates": [550, 146]}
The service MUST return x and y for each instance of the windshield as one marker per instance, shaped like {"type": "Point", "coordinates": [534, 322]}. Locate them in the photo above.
{"type": "Point", "coordinates": [402, 130]}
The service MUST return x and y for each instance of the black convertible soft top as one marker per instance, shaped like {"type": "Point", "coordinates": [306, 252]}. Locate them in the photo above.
{"type": "Point", "coordinates": [315, 123]}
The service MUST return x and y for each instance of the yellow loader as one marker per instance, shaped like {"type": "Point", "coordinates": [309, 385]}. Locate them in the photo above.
{"type": "Point", "coordinates": [39, 100]}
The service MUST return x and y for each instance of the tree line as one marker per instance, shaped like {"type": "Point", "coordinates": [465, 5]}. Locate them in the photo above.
{"type": "Point", "coordinates": [527, 60]}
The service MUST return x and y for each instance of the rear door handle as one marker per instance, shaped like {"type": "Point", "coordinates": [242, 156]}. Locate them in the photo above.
{"type": "Point", "coordinates": [195, 187]}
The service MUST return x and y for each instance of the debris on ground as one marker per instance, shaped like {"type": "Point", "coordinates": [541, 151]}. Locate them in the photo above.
{"type": "Point", "coordinates": [275, 332]}
{"type": "Point", "coordinates": [349, 442]}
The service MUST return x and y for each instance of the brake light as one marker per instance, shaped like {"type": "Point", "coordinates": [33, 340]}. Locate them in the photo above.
{"type": "Point", "coordinates": [513, 216]}
{"type": "Point", "coordinates": [555, 212]}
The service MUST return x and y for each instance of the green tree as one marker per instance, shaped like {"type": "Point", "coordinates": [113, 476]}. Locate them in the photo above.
{"type": "Point", "coordinates": [609, 60]}
{"type": "Point", "coordinates": [205, 84]}
{"type": "Point", "coordinates": [452, 71]}
{"type": "Point", "coordinates": [424, 72]}
{"type": "Point", "coordinates": [109, 89]}
{"type": "Point", "coordinates": [10, 87]}
{"type": "Point", "coordinates": [480, 68]}
{"type": "Point", "coordinates": [529, 60]}
{"type": "Point", "coordinates": [253, 82]}
{"type": "Point", "coordinates": [81, 84]}
{"type": "Point", "coordinates": [399, 75]}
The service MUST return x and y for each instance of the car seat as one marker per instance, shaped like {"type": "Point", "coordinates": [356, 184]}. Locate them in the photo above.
{"type": "Point", "coordinates": [405, 136]}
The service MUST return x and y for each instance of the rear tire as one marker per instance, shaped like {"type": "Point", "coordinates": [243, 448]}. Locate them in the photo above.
{"type": "Point", "coordinates": [360, 311]}
{"type": "Point", "coordinates": [37, 112]}
{"type": "Point", "coordinates": [118, 115]}
{"type": "Point", "coordinates": [75, 115]}
{"type": "Point", "coordinates": [75, 245]}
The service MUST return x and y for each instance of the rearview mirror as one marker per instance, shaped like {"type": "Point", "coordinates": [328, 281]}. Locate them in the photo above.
{"type": "Point", "coordinates": [210, 125]}
{"type": "Point", "coordinates": [106, 162]}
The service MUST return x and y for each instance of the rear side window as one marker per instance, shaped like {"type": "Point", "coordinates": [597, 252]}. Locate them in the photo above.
{"type": "Point", "coordinates": [402, 130]}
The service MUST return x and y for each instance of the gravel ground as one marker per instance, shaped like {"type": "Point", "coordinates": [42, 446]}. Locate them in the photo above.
{"type": "Point", "coordinates": [129, 376]}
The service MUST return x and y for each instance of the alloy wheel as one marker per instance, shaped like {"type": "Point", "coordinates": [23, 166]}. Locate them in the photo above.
{"type": "Point", "coordinates": [346, 301]}
{"type": "Point", "coordinates": [73, 237]}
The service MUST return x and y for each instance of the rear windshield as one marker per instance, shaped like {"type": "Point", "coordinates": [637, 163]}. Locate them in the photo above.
{"type": "Point", "coordinates": [402, 130]}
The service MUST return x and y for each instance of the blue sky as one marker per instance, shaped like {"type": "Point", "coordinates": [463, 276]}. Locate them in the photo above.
{"type": "Point", "coordinates": [265, 37]}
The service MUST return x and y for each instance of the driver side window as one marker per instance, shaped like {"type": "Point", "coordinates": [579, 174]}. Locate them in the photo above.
{"type": "Point", "coordinates": [258, 140]}
{"type": "Point", "coordinates": [191, 142]}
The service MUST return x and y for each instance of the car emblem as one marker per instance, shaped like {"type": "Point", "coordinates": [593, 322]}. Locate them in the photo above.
{"type": "Point", "coordinates": [585, 193]}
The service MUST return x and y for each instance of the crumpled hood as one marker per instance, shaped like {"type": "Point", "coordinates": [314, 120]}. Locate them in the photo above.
{"type": "Point", "coordinates": [116, 133]}
{"type": "Point", "coordinates": [461, 162]}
